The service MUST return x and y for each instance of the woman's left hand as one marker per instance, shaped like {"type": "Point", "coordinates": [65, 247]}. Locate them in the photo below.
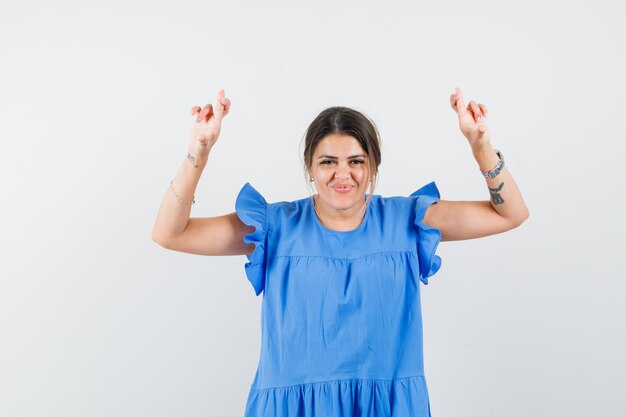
{"type": "Point", "coordinates": [471, 120]}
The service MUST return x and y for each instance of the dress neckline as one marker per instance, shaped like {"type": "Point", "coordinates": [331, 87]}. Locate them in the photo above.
{"type": "Point", "coordinates": [339, 232]}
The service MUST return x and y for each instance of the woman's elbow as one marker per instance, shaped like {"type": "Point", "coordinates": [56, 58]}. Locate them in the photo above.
{"type": "Point", "coordinates": [521, 219]}
{"type": "Point", "coordinates": [160, 240]}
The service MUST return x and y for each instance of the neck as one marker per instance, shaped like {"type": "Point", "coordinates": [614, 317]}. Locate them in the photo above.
{"type": "Point", "coordinates": [340, 220]}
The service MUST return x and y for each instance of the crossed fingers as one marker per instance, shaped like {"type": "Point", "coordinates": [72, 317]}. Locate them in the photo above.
{"type": "Point", "coordinates": [477, 110]}
{"type": "Point", "coordinates": [205, 113]}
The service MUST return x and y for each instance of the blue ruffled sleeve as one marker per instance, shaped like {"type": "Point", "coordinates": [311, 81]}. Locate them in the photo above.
{"type": "Point", "coordinates": [428, 238]}
{"type": "Point", "coordinates": [251, 208]}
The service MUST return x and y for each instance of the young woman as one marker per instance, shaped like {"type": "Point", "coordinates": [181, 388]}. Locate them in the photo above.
{"type": "Point", "coordinates": [339, 271]}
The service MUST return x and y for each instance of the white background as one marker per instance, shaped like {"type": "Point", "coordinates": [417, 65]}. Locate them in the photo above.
{"type": "Point", "coordinates": [96, 319]}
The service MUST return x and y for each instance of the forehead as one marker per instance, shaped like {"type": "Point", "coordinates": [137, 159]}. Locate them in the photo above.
{"type": "Point", "coordinates": [338, 145]}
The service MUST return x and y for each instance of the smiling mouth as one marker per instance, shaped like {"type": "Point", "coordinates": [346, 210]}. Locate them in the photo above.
{"type": "Point", "coordinates": [342, 187]}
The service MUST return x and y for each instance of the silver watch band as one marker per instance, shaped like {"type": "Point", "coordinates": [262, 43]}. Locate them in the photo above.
{"type": "Point", "coordinates": [494, 172]}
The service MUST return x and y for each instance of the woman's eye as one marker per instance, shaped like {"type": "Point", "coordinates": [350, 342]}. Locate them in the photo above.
{"type": "Point", "coordinates": [353, 161]}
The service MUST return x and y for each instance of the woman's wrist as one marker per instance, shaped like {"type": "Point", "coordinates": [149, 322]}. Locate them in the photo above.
{"type": "Point", "coordinates": [486, 157]}
{"type": "Point", "coordinates": [198, 158]}
{"type": "Point", "coordinates": [184, 184]}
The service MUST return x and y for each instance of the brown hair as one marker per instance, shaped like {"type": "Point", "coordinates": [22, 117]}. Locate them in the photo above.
{"type": "Point", "coordinates": [345, 121]}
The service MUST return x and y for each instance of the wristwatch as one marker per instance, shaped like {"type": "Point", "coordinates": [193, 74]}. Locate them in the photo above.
{"type": "Point", "coordinates": [494, 172]}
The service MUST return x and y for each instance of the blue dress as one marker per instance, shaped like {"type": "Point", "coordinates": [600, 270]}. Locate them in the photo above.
{"type": "Point", "coordinates": [341, 314]}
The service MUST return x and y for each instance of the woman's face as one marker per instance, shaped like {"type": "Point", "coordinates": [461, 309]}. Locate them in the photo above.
{"type": "Point", "coordinates": [340, 169]}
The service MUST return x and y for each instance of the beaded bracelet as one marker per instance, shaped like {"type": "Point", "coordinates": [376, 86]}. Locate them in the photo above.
{"type": "Point", "coordinates": [193, 201]}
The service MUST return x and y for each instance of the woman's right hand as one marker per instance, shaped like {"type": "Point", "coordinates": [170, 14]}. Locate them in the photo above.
{"type": "Point", "coordinates": [207, 125]}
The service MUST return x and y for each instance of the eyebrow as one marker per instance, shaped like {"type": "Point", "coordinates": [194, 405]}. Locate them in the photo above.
{"type": "Point", "coordinates": [350, 157]}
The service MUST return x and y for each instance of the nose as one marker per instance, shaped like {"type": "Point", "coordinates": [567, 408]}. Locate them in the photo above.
{"type": "Point", "coordinates": [342, 171]}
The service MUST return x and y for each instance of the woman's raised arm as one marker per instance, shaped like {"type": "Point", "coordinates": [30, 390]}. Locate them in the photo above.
{"type": "Point", "coordinates": [173, 229]}
{"type": "Point", "coordinates": [460, 220]}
